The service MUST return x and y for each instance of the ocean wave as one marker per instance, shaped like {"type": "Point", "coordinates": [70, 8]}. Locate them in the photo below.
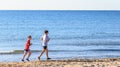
{"type": "Point", "coordinates": [15, 51]}
{"type": "Point", "coordinates": [100, 35]}
{"type": "Point", "coordinates": [34, 51]}
{"type": "Point", "coordinates": [21, 51]}
{"type": "Point", "coordinates": [104, 50]}
{"type": "Point", "coordinates": [93, 43]}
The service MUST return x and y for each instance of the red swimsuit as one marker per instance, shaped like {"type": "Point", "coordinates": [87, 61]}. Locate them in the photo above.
{"type": "Point", "coordinates": [27, 45]}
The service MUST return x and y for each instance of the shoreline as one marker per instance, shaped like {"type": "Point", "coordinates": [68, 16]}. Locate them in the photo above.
{"type": "Point", "coordinates": [105, 62]}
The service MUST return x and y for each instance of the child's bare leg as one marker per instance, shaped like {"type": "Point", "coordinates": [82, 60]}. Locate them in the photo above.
{"type": "Point", "coordinates": [29, 54]}
{"type": "Point", "coordinates": [25, 53]}
{"type": "Point", "coordinates": [42, 52]}
{"type": "Point", "coordinates": [47, 52]}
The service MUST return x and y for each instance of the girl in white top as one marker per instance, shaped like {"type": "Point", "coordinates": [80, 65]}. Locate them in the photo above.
{"type": "Point", "coordinates": [45, 39]}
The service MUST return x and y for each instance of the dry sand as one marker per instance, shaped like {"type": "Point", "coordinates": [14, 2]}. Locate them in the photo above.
{"type": "Point", "coordinates": [114, 62]}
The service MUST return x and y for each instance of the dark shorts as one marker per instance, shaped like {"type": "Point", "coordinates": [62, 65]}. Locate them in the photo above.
{"type": "Point", "coordinates": [45, 47]}
{"type": "Point", "coordinates": [26, 50]}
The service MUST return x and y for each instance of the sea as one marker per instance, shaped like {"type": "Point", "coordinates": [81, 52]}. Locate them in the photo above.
{"type": "Point", "coordinates": [73, 33]}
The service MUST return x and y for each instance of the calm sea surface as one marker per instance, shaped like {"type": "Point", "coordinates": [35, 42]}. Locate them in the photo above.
{"type": "Point", "coordinates": [82, 34]}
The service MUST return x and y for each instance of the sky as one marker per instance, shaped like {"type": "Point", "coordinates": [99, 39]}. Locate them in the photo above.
{"type": "Point", "coordinates": [59, 4]}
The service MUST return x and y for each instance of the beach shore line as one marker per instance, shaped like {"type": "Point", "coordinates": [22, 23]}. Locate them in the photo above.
{"type": "Point", "coordinates": [106, 62]}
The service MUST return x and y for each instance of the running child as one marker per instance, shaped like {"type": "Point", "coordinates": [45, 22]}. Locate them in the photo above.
{"type": "Point", "coordinates": [45, 39]}
{"type": "Point", "coordinates": [27, 49]}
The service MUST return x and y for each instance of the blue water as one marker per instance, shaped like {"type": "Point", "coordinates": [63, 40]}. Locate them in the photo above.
{"type": "Point", "coordinates": [73, 34]}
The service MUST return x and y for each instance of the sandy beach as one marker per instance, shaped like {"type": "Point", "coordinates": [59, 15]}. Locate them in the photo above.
{"type": "Point", "coordinates": [113, 62]}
